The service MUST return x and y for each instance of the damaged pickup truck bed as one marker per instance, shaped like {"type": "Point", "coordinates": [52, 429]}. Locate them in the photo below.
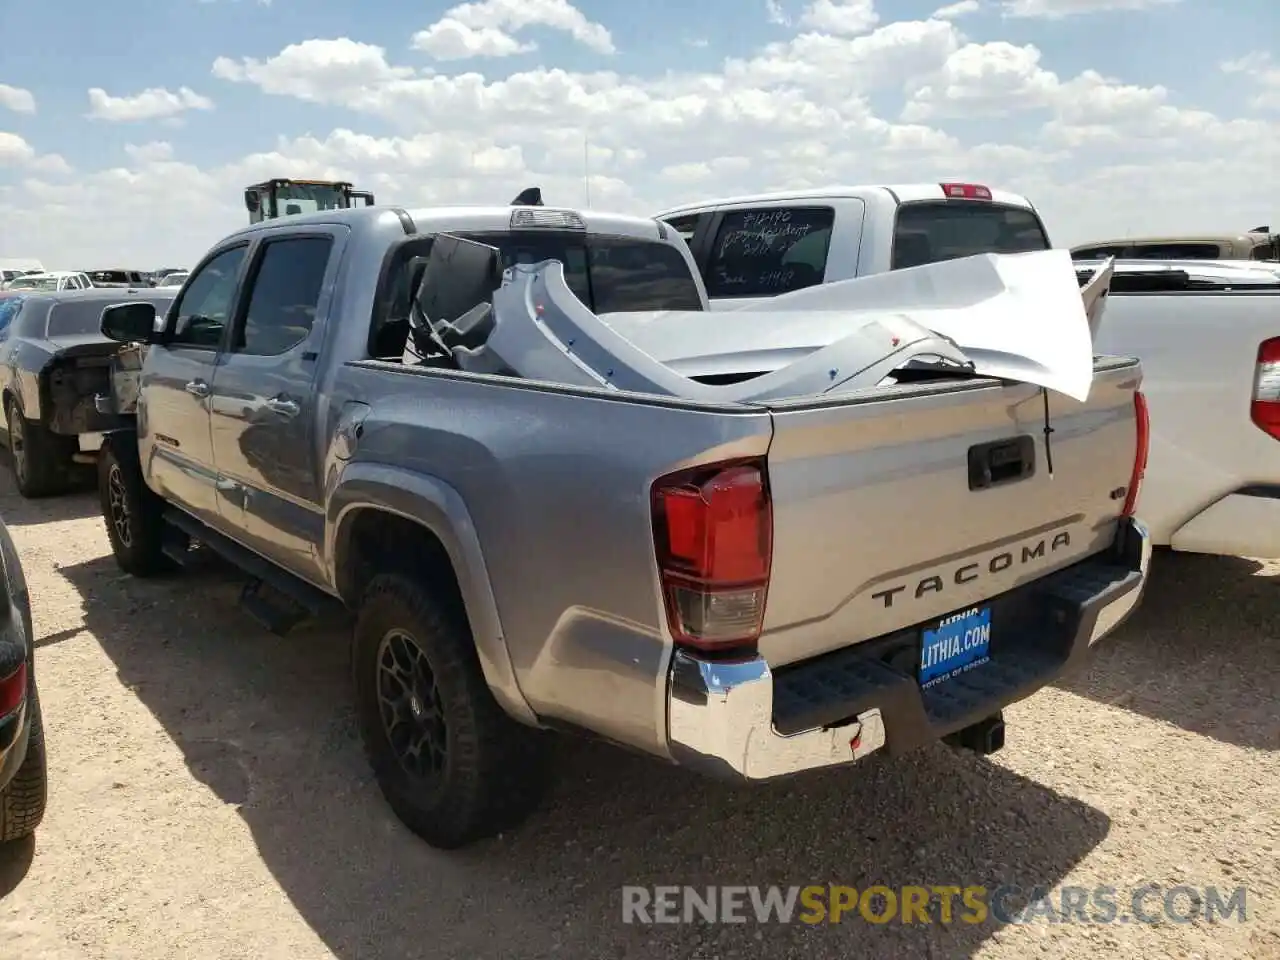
{"type": "Point", "coordinates": [544, 518]}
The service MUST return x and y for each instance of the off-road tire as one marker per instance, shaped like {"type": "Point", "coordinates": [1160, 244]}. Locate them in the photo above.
{"type": "Point", "coordinates": [494, 768]}
{"type": "Point", "coordinates": [41, 459]}
{"type": "Point", "coordinates": [131, 511]}
{"type": "Point", "coordinates": [22, 802]}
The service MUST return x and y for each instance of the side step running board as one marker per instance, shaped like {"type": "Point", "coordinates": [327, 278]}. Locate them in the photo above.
{"type": "Point", "coordinates": [276, 599]}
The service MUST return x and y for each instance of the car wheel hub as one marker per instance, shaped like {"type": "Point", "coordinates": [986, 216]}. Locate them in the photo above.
{"type": "Point", "coordinates": [410, 707]}
{"type": "Point", "coordinates": [17, 445]}
{"type": "Point", "coordinates": [118, 505]}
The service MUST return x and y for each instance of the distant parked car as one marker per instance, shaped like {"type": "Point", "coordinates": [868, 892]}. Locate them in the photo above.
{"type": "Point", "coordinates": [175, 279]}
{"type": "Point", "coordinates": [53, 280]}
{"type": "Point", "coordinates": [119, 278]}
{"type": "Point", "coordinates": [23, 768]}
{"type": "Point", "coordinates": [54, 362]}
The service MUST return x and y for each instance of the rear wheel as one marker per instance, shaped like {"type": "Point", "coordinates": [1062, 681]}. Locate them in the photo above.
{"type": "Point", "coordinates": [452, 765]}
{"type": "Point", "coordinates": [132, 513]}
{"type": "Point", "coordinates": [22, 802]}
{"type": "Point", "coordinates": [41, 459]}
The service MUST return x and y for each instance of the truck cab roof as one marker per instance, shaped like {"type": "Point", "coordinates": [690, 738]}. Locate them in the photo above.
{"type": "Point", "coordinates": [897, 193]}
{"type": "Point", "coordinates": [426, 220]}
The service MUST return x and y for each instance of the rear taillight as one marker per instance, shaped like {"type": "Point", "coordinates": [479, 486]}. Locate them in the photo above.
{"type": "Point", "coordinates": [1140, 454]}
{"type": "Point", "coordinates": [965, 191]}
{"type": "Point", "coordinates": [12, 690]}
{"type": "Point", "coordinates": [1265, 409]}
{"type": "Point", "coordinates": [713, 532]}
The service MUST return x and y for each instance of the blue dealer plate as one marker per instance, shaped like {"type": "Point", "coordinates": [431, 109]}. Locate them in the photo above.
{"type": "Point", "coordinates": [959, 643]}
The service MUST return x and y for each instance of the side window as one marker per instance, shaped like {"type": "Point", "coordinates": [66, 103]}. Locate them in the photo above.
{"type": "Point", "coordinates": [765, 252]}
{"type": "Point", "coordinates": [686, 225]}
{"type": "Point", "coordinates": [205, 307]}
{"type": "Point", "coordinates": [284, 297]}
{"type": "Point", "coordinates": [1266, 251]}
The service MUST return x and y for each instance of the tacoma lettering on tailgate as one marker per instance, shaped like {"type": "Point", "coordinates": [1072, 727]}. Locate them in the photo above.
{"type": "Point", "coordinates": [969, 572]}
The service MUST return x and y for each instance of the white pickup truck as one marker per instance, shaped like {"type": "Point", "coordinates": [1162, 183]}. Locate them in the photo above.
{"type": "Point", "coordinates": [1208, 334]}
{"type": "Point", "coordinates": [776, 243]}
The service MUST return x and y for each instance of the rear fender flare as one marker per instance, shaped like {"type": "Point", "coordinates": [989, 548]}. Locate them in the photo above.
{"type": "Point", "coordinates": [24, 387]}
{"type": "Point", "coordinates": [439, 508]}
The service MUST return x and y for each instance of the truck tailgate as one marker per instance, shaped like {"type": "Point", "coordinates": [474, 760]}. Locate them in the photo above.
{"type": "Point", "coordinates": [881, 523]}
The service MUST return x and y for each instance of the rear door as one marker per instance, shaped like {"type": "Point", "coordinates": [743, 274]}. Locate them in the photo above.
{"type": "Point", "coordinates": [177, 381]}
{"type": "Point", "coordinates": [263, 402]}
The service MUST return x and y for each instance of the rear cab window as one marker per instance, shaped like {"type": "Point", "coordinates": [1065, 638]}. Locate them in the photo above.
{"type": "Point", "coordinates": [608, 274]}
{"type": "Point", "coordinates": [928, 231]}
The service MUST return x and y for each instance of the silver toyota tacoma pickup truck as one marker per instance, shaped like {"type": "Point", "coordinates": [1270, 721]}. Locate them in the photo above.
{"type": "Point", "coordinates": [424, 417]}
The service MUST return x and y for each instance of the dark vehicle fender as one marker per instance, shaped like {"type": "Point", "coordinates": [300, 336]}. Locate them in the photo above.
{"type": "Point", "coordinates": [30, 363]}
{"type": "Point", "coordinates": [15, 632]}
{"type": "Point", "coordinates": [438, 508]}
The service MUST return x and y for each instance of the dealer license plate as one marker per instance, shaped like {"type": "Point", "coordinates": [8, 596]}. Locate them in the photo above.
{"type": "Point", "coordinates": [958, 643]}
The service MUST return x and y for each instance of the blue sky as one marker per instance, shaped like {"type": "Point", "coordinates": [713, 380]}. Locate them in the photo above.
{"type": "Point", "coordinates": [1046, 138]}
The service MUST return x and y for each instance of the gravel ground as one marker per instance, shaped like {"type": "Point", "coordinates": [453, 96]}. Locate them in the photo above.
{"type": "Point", "coordinates": [209, 799]}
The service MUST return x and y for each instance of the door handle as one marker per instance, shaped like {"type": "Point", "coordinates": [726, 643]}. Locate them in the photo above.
{"type": "Point", "coordinates": [284, 407]}
{"type": "Point", "coordinates": [197, 388]}
{"type": "Point", "coordinates": [1001, 462]}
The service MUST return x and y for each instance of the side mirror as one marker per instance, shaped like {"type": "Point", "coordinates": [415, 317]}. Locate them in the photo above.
{"type": "Point", "coordinates": [251, 201]}
{"type": "Point", "coordinates": [129, 322]}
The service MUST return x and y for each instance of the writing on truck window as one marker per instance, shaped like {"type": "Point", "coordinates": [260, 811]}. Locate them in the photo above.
{"type": "Point", "coordinates": [769, 251]}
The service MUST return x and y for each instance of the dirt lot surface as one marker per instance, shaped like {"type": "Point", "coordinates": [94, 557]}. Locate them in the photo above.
{"type": "Point", "coordinates": [209, 798]}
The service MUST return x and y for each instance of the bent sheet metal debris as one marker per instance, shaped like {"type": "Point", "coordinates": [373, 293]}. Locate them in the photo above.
{"type": "Point", "coordinates": [1020, 317]}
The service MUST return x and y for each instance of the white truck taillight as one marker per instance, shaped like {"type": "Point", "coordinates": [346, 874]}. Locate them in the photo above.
{"type": "Point", "coordinates": [1265, 410]}
{"type": "Point", "coordinates": [713, 533]}
{"type": "Point", "coordinates": [1140, 454]}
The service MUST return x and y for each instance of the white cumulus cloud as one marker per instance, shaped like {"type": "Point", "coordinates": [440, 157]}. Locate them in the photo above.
{"type": "Point", "coordinates": [1059, 9]}
{"type": "Point", "coordinates": [488, 28]}
{"type": "Point", "coordinates": [17, 99]}
{"type": "Point", "coordinates": [155, 103]}
{"type": "Point", "coordinates": [863, 99]}
{"type": "Point", "coordinates": [954, 10]}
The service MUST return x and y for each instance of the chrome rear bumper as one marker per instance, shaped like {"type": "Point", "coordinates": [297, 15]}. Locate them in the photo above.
{"type": "Point", "coordinates": [721, 715]}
